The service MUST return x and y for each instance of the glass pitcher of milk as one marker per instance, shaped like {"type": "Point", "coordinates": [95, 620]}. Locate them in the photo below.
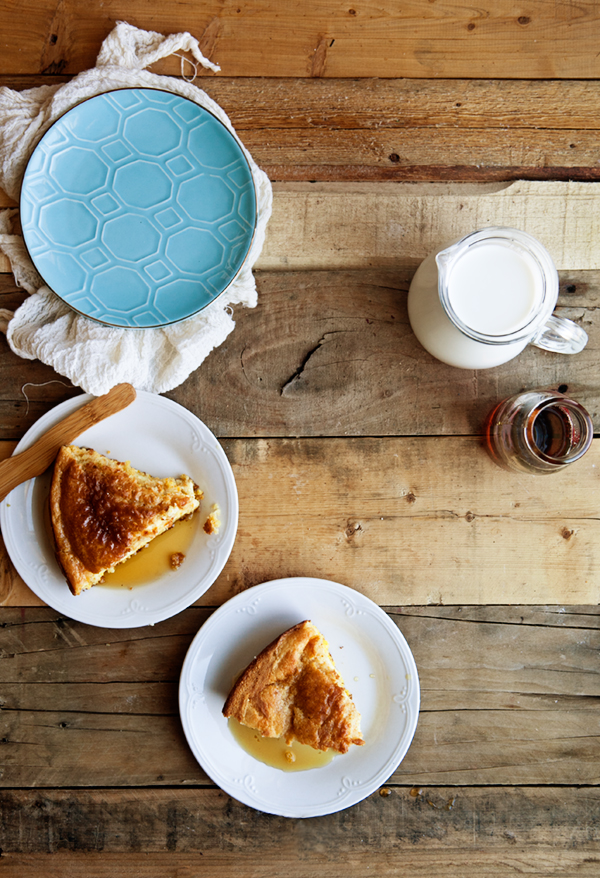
{"type": "Point", "coordinates": [478, 302]}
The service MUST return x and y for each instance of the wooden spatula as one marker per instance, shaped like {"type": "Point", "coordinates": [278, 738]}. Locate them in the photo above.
{"type": "Point", "coordinates": [39, 456]}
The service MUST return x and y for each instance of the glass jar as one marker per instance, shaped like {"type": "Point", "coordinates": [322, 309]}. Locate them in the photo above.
{"type": "Point", "coordinates": [540, 431]}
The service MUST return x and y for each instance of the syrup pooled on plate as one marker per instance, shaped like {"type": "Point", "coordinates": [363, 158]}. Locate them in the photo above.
{"type": "Point", "coordinates": [276, 753]}
{"type": "Point", "coordinates": [155, 559]}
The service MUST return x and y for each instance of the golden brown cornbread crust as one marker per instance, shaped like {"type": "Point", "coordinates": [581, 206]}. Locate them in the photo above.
{"type": "Point", "coordinates": [103, 511]}
{"type": "Point", "coordinates": [293, 690]}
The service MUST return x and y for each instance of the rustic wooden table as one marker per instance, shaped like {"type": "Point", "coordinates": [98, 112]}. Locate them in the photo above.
{"type": "Point", "coordinates": [358, 458]}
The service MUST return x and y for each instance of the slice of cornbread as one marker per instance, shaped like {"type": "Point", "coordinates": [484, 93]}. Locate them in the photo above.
{"type": "Point", "coordinates": [293, 690]}
{"type": "Point", "coordinates": [104, 511]}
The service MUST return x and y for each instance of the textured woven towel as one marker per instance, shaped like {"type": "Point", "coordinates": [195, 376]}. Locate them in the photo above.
{"type": "Point", "coordinates": [93, 356]}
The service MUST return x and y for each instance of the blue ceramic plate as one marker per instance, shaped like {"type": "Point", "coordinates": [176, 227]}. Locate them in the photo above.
{"type": "Point", "coordinates": [138, 208]}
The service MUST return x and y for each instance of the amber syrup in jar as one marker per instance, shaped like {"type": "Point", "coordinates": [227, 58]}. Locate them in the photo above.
{"type": "Point", "coordinates": [538, 432]}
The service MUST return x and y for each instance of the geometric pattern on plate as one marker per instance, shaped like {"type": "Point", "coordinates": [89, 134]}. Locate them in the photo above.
{"type": "Point", "coordinates": [138, 207]}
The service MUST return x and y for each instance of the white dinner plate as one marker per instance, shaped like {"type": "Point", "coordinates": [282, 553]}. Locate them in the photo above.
{"type": "Point", "coordinates": [370, 653]}
{"type": "Point", "coordinates": [159, 437]}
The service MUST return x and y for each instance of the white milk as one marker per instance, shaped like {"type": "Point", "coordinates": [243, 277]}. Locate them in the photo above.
{"type": "Point", "coordinates": [493, 288]}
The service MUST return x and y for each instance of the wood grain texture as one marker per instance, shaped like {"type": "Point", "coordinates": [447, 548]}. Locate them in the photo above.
{"type": "Point", "coordinates": [390, 129]}
{"type": "Point", "coordinates": [278, 104]}
{"type": "Point", "coordinates": [446, 829]}
{"type": "Point", "coordinates": [424, 154]}
{"type": "Point", "coordinates": [413, 521]}
{"type": "Point", "coordinates": [365, 225]}
{"type": "Point", "coordinates": [527, 714]}
{"type": "Point", "coordinates": [406, 520]}
{"type": "Point", "coordinates": [329, 225]}
{"type": "Point", "coordinates": [355, 454]}
{"type": "Point", "coordinates": [346, 363]}
{"type": "Point", "coordinates": [259, 103]}
{"type": "Point", "coordinates": [419, 39]}
{"type": "Point", "coordinates": [538, 860]}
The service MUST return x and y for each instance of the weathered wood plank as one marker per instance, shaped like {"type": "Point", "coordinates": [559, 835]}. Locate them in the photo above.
{"type": "Point", "coordinates": [319, 39]}
{"type": "Point", "coordinates": [367, 225]}
{"type": "Point", "coordinates": [160, 699]}
{"type": "Point", "coordinates": [55, 748]}
{"type": "Point", "coordinates": [345, 225]}
{"type": "Point", "coordinates": [528, 649]}
{"type": "Point", "coordinates": [425, 154]}
{"type": "Point", "coordinates": [382, 129]}
{"type": "Point", "coordinates": [143, 699]}
{"type": "Point", "coordinates": [528, 710]}
{"type": "Point", "coordinates": [437, 520]}
{"type": "Point", "coordinates": [262, 104]}
{"type": "Point", "coordinates": [515, 825]}
{"type": "Point", "coordinates": [417, 521]}
{"type": "Point", "coordinates": [41, 646]}
{"type": "Point", "coordinates": [545, 861]}
{"type": "Point", "coordinates": [60, 748]}
{"type": "Point", "coordinates": [274, 103]}
{"type": "Point", "coordinates": [347, 364]}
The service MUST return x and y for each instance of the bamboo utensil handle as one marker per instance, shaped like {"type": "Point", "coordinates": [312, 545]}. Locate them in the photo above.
{"type": "Point", "coordinates": [38, 457]}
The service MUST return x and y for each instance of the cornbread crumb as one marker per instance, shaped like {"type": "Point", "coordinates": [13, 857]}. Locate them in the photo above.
{"type": "Point", "coordinates": [176, 560]}
{"type": "Point", "coordinates": [213, 522]}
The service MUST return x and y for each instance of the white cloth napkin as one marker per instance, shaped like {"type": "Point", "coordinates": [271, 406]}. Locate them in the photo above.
{"type": "Point", "coordinates": [96, 357]}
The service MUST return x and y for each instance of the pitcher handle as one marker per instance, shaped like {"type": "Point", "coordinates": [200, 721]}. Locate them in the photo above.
{"type": "Point", "coordinates": [561, 335]}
